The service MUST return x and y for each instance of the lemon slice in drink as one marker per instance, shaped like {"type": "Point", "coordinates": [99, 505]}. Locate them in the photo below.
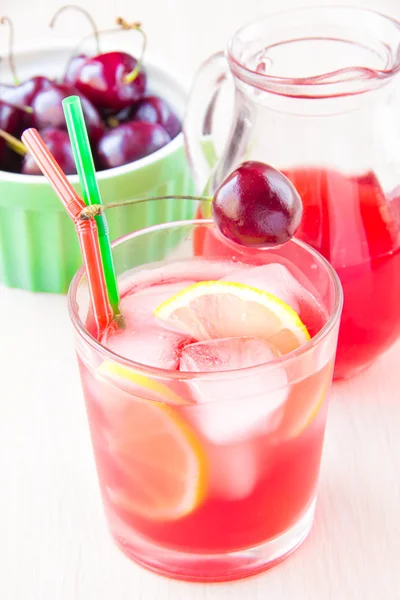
{"type": "Point", "coordinates": [132, 381]}
{"type": "Point", "coordinates": [158, 454]}
{"type": "Point", "coordinates": [161, 460]}
{"type": "Point", "coordinates": [304, 403]}
{"type": "Point", "coordinates": [221, 309]}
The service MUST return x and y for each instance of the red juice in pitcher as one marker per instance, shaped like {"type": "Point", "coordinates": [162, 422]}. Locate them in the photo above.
{"type": "Point", "coordinates": [316, 95]}
{"type": "Point", "coordinates": [351, 222]}
{"type": "Point", "coordinates": [356, 228]}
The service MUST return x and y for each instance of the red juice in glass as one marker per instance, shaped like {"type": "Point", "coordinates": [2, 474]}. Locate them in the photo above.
{"type": "Point", "coordinates": [207, 433]}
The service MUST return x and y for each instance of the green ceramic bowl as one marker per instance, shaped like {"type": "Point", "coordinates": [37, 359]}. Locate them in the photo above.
{"type": "Point", "coordinates": [38, 245]}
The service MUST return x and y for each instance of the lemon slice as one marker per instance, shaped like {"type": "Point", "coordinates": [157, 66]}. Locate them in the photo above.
{"type": "Point", "coordinates": [161, 461]}
{"type": "Point", "coordinates": [132, 381]}
{"type": "Point", "coordinates": [304, 403]}
{"type": "Point", "coordinates": [221, 309]}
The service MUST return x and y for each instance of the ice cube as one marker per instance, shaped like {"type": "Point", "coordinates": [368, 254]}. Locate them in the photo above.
{"type": "Point", "coordinates": [234, 405]}
{"type": "Point", "coordinates": [226, 354]}
{"type": "Point", "coordinates": [234, 470]}
{"type": "Point", "coordinates": [273, 278]}
{"type": "Point", "coordinates": [150, 346]}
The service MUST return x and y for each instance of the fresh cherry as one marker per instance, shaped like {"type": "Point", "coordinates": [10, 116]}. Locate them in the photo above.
{"type": "Point", "coordinates": [10, 118]}
{"type": "Point", "coordinates": [257, 206]}
{"type": "Point", "coordinates": [23, 93]}
{"type": "Point", "coordinates": [129, 142]}
{"type": "Point", "coordinates": [59, 145]}
{"type": "Point", "coordinates": [9, 160]}
{"type": "Point", "coordinates": [20, 97]}
{"type": "Point", "coordinates": [11, 152]}
{"type": "Point", "coordinates": [152, 109]}
{"type": "Point", "coordinates": [4, 155]}
{"type": "Point", "coordinates": [104, 79]}
{"type": "Point", "coordinates": [48, 110]}
{"type": "Point", "coordinates": [73, 68]}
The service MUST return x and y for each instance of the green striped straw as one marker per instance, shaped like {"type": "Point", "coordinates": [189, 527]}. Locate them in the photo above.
{"type": "Point", "coordinates": [90, 190]}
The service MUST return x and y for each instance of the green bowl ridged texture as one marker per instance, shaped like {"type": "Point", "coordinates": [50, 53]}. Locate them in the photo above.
{"type": "Point", "coordinates": [39, 250]}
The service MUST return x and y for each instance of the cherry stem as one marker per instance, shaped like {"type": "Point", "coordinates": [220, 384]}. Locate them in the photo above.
{"type": "Point", "coordinates": [92, 211]}
{"type": "Point", "coordinates": [23, 107]}
{"type": "Point", "coordinates": [75, 51]}
{"type": "Point", "coordinates": [11, 63]}
{"type": "Point", "coordinates": [112, 122]}
{"type": "Point", "coordinates": [14, 143]}
{"type": "Point", "coordinates": [89, 17]}
{"type": "Point", "coordinates": [135, 27]}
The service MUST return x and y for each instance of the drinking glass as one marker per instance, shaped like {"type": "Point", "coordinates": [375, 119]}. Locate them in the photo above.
{"type": "Point", "coordinates": [243, 445]}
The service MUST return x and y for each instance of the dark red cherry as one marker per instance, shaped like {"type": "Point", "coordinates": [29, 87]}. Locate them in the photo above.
{"type": "Point", "coordinates": [59, 145]}
{"type": "Point", "coordinates": [73, 68]}
{"type": "Point", "coordinates": [19, 97]}
{"type": "Point", "coordinates": [4, 155]}
{"type": "Point", "coordinates": [9, 160]}
{"type": "Point", "coordinates": [257, 206]}
{"type": "Point", "coordinates": [153, 109]}
{"type": "Point", "coordinates": [129, 142]}
{"type": "Point", "coordinates": [23, 93]}
{"type": "Point", "coordinates": [104, 80]}
{"type": "Point", "coordinates": [10, 118]}
{"type": "Point", "coordinates": [11, 152]}
{"type": "Point", "coordinates": [48, 110]}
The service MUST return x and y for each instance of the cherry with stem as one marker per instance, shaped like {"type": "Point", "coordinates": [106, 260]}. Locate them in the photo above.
{"type": "Point", "coordinates": [255, 206]}
{"type": "Point", "coordinates": [56, 140]}
{"type": "Point", "coordinates": [13, 143]}
{"type": "Point", "coordinates": [13, 116]}
{"type": "Point", "coordinates": [123, 80]}
{"type": "Point", "coordinates": [136, 27]}
{"type": "Point", "coordinates": [123, 25]}
{"type": "Point", "coordinates": [11, 151]}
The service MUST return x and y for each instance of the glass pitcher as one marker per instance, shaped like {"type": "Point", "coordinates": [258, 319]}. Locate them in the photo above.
{"type": "Point", "coordinates": [316, 96]}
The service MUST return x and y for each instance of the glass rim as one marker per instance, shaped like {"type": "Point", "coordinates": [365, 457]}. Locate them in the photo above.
{"type": "Point", "coordinates": [281, 361]}
{"type": "Point", "coordinates": [318, 86]}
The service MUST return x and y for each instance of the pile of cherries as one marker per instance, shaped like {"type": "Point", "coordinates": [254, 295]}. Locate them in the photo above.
{"type": "Point", "coordinates": [124, 121]}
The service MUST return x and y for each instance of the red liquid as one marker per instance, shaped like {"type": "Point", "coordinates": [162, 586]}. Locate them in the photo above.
{"type": "Point", "coordinates": [284, 461]}
{"type": "Point", "coordinates": [257, 483]}
{"type": "Point", "coordinates": [357, 228]}
{"type": "Point", "coordinates": [350, 222]}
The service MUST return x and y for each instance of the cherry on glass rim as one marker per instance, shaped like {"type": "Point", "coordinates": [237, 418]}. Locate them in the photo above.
{"type": "Point", "coordinates": [257, 206]}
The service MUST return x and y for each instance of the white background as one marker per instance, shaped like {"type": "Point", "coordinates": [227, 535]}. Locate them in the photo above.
{"type": "Point", "coordinates": [53, 541]}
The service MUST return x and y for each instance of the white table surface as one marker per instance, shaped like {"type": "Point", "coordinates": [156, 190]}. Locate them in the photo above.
{"type": "Point", "coordinates": [54, 543]}
{"type": "Point", "coordinates": [53, 540]}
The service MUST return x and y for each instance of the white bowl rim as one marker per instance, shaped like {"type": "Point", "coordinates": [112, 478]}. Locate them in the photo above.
{"type": "Point", "coordinates": [159, 155]}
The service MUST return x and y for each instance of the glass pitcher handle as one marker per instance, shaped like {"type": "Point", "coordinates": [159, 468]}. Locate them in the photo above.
{"type": "Point", "coordinates": [198, 118]}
